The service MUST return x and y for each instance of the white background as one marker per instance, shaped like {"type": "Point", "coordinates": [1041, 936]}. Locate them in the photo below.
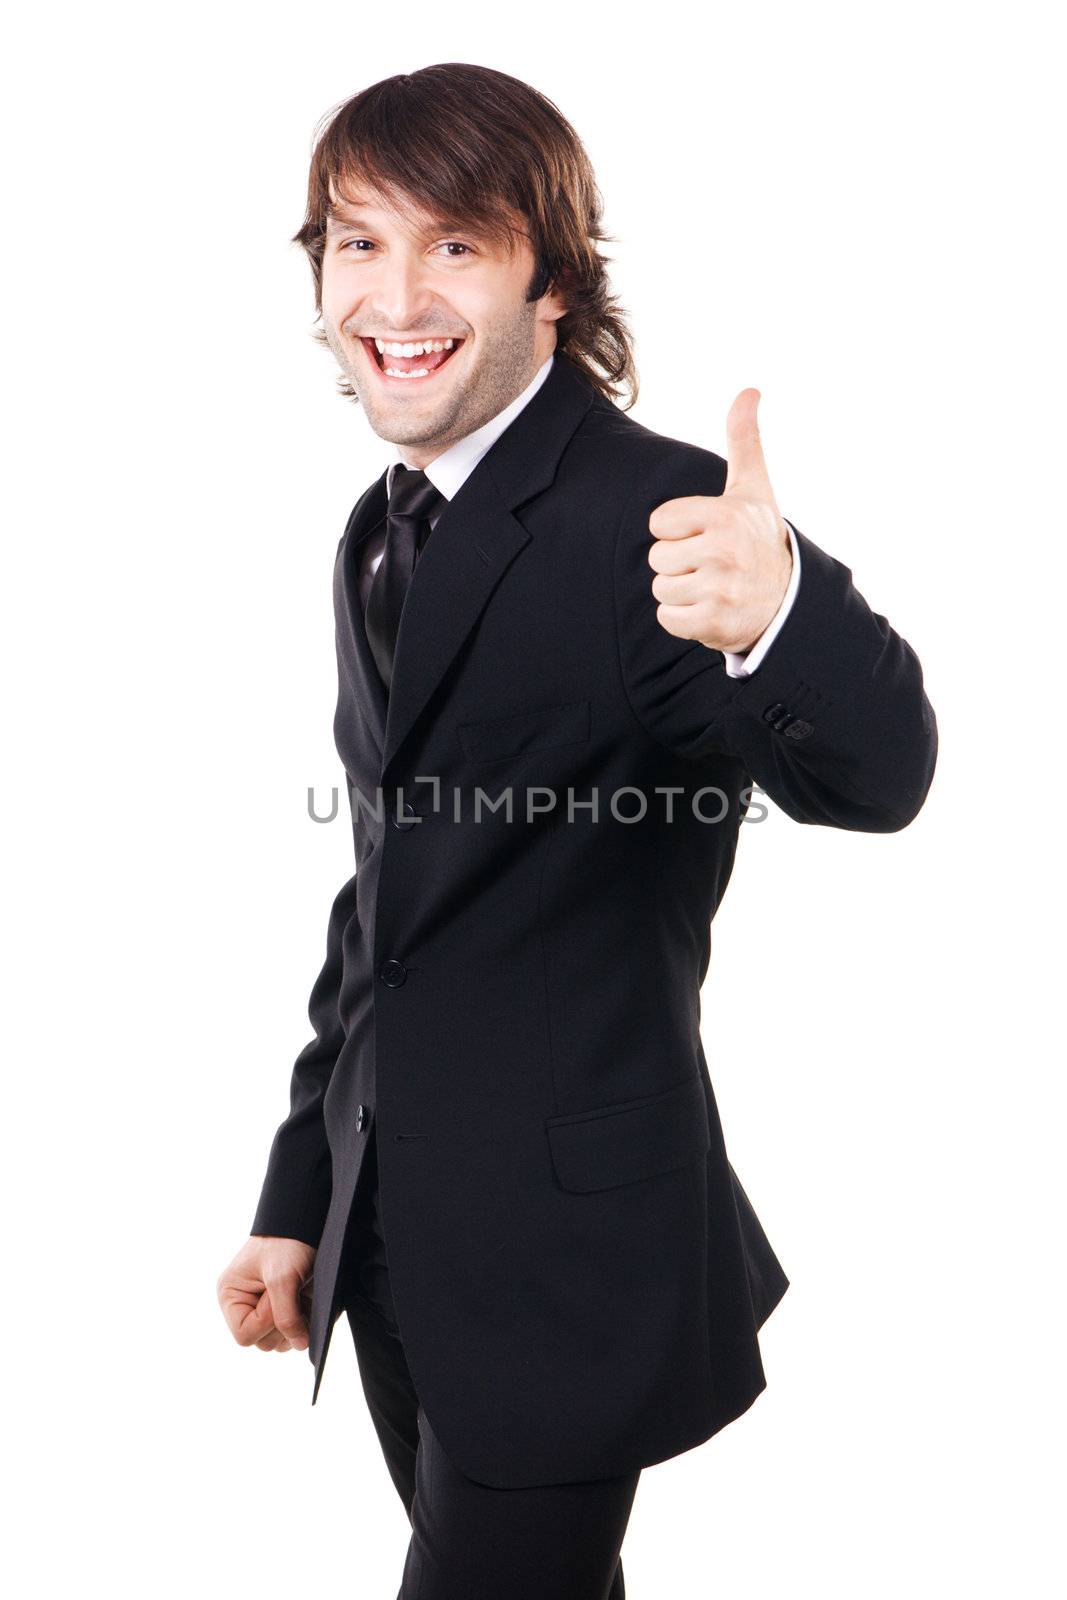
{"type": "Point", "coordinates": [855, 210]}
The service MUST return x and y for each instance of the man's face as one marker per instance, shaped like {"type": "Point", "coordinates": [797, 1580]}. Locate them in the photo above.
{"type": "Point", "coordinates": [391, 275]}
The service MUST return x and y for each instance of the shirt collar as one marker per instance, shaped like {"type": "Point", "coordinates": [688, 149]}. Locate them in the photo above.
{"type": "Point", "coordinates": [448, 471]}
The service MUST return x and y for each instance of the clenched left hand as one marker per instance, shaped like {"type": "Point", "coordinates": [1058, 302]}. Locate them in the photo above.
{"type": "Point", "coordinates": [723, 562]}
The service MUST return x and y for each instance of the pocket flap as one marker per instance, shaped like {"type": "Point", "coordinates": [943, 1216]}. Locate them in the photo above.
{"type": "Point", "coordinates": [631, 1139]}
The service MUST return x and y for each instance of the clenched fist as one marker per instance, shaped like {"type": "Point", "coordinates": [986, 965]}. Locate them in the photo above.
{"type": "Point", "coordinates": [723, 562]}
{"type": "Point", "coordinates": [264, 1293]}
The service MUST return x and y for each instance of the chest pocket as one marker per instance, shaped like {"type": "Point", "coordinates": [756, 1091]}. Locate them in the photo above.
{"type": "Point", "coordinates": [522, 732]}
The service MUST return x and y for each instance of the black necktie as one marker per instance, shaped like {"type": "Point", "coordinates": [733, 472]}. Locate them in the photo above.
{"type": "Point", "coordinates": [412, 501]}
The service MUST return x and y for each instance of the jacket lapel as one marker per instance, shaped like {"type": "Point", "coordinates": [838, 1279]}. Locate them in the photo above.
{"type": "Point", "coordinates": [353, 648]}
{"type": "Point", "coordinates": [474, 541]}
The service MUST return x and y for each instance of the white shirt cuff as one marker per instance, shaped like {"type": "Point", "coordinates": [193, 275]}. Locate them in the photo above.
{"type": "Point", "coordinates": [741, 666]}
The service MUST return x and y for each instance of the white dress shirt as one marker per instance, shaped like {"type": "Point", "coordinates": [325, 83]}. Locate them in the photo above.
{"type": "Point", "coordinates": [448, 471]}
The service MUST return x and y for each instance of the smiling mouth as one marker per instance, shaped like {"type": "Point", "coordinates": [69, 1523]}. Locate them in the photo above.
{"type": "Point", "coordinates": [409, 369]}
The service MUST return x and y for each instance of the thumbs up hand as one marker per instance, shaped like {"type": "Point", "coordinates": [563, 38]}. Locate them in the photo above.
{"type": "Point", "coordinates": [723, 562]}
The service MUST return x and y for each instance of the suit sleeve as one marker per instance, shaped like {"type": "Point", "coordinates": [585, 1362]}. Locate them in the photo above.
{"type": "Point", "coordinates": [295, 1196]}
{"type": "Point", "coordinates": [835, 725]}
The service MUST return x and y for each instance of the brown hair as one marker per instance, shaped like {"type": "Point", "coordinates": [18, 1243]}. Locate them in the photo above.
{"type": "Point", "coordinates": [475, 147]}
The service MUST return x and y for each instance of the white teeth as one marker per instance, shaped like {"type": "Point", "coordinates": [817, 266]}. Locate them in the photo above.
{"type": "Point", "coordinates": [413, 349]}
{"type": "Point", "coordinates": [417, 372]}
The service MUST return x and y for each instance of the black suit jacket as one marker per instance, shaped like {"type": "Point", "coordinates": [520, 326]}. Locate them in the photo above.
{"type": "Point", "coordinates": [514, 1005]}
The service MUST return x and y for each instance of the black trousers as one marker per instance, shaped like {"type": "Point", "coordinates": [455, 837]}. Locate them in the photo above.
{"type": "Point", "coordinates": [469, 1541]}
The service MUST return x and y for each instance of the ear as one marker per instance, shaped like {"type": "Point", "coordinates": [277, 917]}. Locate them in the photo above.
{"type": "Point", "coordinates": [553, 306]}
{"type": "Point", "coordinates": [543, 287]}
{"type": "Point", "coordinates": [549, 292]}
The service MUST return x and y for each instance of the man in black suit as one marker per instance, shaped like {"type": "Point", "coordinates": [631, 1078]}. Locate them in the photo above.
{"type": "Point", "coordinates": [568, 648]}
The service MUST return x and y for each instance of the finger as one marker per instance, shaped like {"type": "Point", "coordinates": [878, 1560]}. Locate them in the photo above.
{"type": "Point", "coordinates": [288, 1317]}
{"type": "Point", "coordinates": [676, 519]}
{"type": "Point", "coordinates": [273, 1341]}
{"type": "Point", "coordinates": [683, 621]}
{"type": "Point", "coordinates": [257, 1322]}
{"type": "Point", "coordinates": [746, 468]}
{"type": "Point", "coordinates": [681, 590]}
{"type": "Point", "coordinates": [246, 1308]}
{"type": "Point", "coordinates": [678, 555]}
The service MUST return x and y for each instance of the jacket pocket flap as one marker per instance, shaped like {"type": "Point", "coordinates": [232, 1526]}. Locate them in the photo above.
{"type": "Point", "coordinates": [538, 729]}
{"type": "Point", "coordinates": [631, 1139]}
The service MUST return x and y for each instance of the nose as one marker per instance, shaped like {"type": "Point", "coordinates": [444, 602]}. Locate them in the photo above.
{"type": "Point", "coordinates": [402, 294]}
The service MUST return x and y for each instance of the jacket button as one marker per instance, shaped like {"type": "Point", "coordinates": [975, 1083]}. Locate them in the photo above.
{"type": "Point", "coordinates": [393, 973]}
{"type": "Point", "coordinates": [782, 720]}
{"type": "Point", "coordinates": [407, 818]}
{"type": "Point", "coordinates": [360, 1118]}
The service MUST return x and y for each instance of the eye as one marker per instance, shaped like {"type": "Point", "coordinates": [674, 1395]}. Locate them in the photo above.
{"type": "Point", "coordinates": [452, 245]}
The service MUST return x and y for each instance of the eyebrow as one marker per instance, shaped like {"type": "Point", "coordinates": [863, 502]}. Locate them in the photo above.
{"type": "Point", "coordinates": [336, 223]}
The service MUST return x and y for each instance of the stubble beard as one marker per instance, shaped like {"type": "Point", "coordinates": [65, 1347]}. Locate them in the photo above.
{"type": "Point", "coordinates": [497, 377]}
